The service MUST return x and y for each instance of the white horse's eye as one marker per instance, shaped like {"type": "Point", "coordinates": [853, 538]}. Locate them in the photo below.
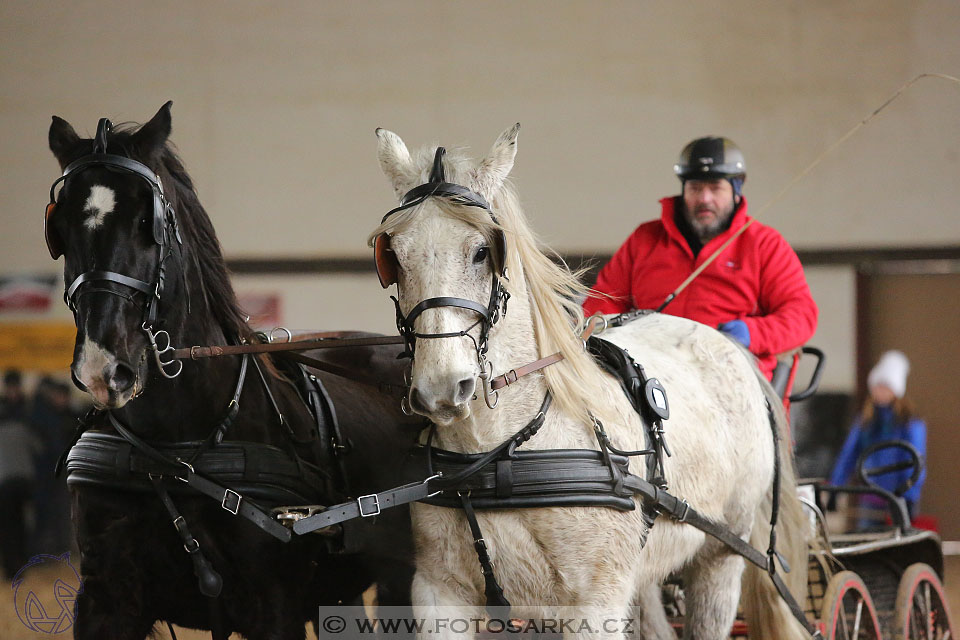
{"type": "Point", "coordinates": [481, 255]}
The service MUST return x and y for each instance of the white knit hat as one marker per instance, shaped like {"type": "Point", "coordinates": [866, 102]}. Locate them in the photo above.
{"type": "Point", "coordinates": [891, 371]}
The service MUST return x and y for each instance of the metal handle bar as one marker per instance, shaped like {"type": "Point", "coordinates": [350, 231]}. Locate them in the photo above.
{"type": "Point", "coordinates": [815, 378]}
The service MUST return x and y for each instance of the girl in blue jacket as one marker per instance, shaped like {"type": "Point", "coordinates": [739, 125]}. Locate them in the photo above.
{"type": "Point", "coordinates": [887, 415]}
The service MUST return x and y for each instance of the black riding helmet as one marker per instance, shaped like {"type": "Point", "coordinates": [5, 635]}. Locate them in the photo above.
{"type": "Point", "coordinates": [710, 158]}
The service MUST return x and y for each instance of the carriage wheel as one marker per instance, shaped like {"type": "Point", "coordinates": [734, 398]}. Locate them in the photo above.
{"type": "Point", "coordinates": [848, 612]}
{"type": "Point", "coordinates": [921, 609]}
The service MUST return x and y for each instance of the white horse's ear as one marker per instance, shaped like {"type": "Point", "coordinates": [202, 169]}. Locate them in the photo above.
{"type": "Point", "coordinates": [494, 169]}
{"type": "Point", "coordinates": [395, 161]}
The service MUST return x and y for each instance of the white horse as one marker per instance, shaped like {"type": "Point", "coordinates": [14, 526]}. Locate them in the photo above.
{"type": "Point", "coordinates": [718, 431]}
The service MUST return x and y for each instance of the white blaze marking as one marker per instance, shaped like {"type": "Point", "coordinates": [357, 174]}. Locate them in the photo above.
{"type": "Point", "coordinates": [93, 360]}
{"type": "Point", "coordinates": [99, 204]}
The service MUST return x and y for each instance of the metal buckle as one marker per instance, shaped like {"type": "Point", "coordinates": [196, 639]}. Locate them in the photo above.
{"type": "Point", "coordinates": [686, 509]}
{"type": "Point", "coordinates": [188, 466]}
{"type": "Point", "coordinates": [436, 475]}
{"type": "Point", "coordinates": [291, 514]}
{"type": "Point", "coordinates": [376, 505]}
{"type": "Point", "coordinates": [235, 500]}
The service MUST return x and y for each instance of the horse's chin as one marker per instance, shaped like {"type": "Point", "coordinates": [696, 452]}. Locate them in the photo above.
{"type": "Point", "coordinates": [449, 414]}
{"type": "Point", "coordinates": [104, 398]}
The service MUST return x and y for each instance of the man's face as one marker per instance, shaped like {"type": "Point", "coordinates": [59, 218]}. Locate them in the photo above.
{"type": "Point", "coordinates": [709, 205]}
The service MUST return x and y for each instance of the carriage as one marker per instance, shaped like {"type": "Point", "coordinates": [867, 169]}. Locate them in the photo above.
{"type": "Point", "coordinates": [164, 278]}
{"type": "Point", "coordinates": [877, 584]}
{"type": "Point", "coordinates": [883, 583]}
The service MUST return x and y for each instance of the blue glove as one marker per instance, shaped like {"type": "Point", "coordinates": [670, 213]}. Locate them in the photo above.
{"type": "Point", "coordinates": [736, 330]}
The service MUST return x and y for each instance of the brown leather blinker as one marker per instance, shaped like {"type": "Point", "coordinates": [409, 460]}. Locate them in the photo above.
{"type": "Point", "coordinates": [54, 241]}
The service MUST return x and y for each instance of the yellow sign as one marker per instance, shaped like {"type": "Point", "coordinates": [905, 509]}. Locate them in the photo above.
{"type": "Point", "coordinates": [37, 346]}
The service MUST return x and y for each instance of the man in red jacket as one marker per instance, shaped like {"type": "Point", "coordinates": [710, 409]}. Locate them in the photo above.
{"type": "Point", "coordinates": [754, 291]}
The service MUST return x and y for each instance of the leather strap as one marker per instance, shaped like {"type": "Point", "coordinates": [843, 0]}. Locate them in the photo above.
{"type": "Point", "coordinates": [371, 505]}
{"type": "Point", "coordinates": [100, 139]}
{"type": "Point", "coordinates": [365, 506]}
{"type": "Point", "coordinates": [515, 374]}
{"type": "Point", "coordinates": [229, 499]}
{"type": "Point", "coordinates": [112, 160]}
{"type": "Point", "coordinates": [445, 190]}
{"type": "Point", "coordinates": [492, 588]}
{"type": "Point", "coordinates": [680, 511]}
{"type": "Point", "coordinates": [235, 503]}
{"type": "Point", "coordinates": [209, 580]}
{"type": "Point", "coordinates": [108, 276]}
{"type": "Point", "coordinates": [446, 301]}
{"type": "Point", "coordinates": [348, 374]}
{"type": "Point", "coordinates": [197, 352]}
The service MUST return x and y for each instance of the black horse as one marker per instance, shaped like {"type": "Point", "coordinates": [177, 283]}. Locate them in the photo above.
{"type": "Point", "coordinates": [144, 267]}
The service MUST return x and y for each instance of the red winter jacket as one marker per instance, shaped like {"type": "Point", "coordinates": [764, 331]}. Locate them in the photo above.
{"type": "Point", "coordinates": [757, 279]}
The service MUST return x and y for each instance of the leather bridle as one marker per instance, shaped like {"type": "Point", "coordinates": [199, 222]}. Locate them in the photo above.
{"type": "Point", "coordinates": [165, 231]}
{"type": "Point", "coordinates": [488, 315]}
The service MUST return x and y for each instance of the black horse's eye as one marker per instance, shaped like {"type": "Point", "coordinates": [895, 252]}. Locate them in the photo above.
{"type": "Point", "coordinates": [481, 255]}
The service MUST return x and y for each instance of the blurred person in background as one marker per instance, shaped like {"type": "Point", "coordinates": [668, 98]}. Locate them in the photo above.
{"type": "Point", "coordinates": [18, 446]}
{"type": "Point", "coordinates": [52, 420]}
{"type": "Point", "coordinates": [887, 415]}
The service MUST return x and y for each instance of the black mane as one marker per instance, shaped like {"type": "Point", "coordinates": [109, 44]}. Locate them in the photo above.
{"type": "Point", "coordinates": [199, 238]}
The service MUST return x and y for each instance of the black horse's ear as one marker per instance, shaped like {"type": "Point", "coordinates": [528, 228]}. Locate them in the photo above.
{"type": "Point", "coordinates": [63, 140]}
{"type": "Point", "coordinates": [151, 136]}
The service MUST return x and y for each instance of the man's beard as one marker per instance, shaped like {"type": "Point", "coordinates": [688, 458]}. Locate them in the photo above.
{"type": "Point", "coordinates": [709, 230]}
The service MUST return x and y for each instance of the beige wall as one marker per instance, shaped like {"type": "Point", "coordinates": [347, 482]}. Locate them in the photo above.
{"type": "Point", "coordinates": [275, 106]}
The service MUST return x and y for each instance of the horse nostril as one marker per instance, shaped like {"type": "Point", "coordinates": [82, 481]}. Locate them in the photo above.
{"type": "Point", "coordinates": [465, 389]}
{"type": "Point", "coordinates": [121, 378]}
{"type": "Point", "coordinates": [416, 402]}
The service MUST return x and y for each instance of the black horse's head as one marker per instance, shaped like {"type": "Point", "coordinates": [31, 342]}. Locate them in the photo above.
{"type": "Point", "coordinates": [116, 220]}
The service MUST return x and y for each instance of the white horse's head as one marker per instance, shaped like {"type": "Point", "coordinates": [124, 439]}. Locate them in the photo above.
{"type": "Point", "coordinates": [449, 246]}
{"type": "Point", "coordinates": [446, 247]}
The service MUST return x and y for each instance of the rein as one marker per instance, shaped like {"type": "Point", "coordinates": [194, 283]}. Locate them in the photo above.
{"type": "Point", "coordinates": [334, 340]}
{"type": "Point", "coordinates": [322, 342]}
